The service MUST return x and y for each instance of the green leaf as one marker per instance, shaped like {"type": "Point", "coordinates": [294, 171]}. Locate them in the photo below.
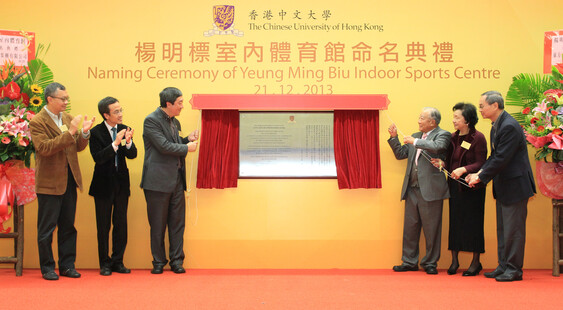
{"type": "Point", "coordinates": [527, 90]}
{"type": "Point", "coordinates": [40, 73]}
{"type": "Point", "coordinates": [27, 159]}
{"type": "Point", "coordinates": [556, 74]}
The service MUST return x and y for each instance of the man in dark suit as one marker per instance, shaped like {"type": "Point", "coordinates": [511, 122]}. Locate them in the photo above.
{"type": "Point", "coordinates": [57, 139]}
{"type": "Point", "coordinates": [164, 179]}
{"type": "Point", "coordinates": [424, 190]}
{"type": "Point", "coordinates": [110, 183]}
{"type": "Point", "coordinates": [513, 184]}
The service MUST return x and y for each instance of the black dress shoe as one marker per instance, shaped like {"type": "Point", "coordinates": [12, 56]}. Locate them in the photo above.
{"type": "Point", "coordinates": [401, 268]}
{"type": "Point", "coordinates": [70, 273]}
{"type": "Point", "coordinates": [157, 270]}
{"type": "Point", "coordinates": [495, 273]}
{"type": "Point", "coordinates": [508, 277]}
{"type": "Point", "coordinates": [431, 270]}
{"type": "Point", "coordinates": [177, 269]}
{"type": "Point", "coordinates": [105, 271]}
{"type": "Point", "coordinates": [121, 269]}
{"type": "Point", "coordinates": [468, 273]}
{"type": "Point", "coordinates": [453, 269]}
{"type": "Point", "coordinates": [50, 275]}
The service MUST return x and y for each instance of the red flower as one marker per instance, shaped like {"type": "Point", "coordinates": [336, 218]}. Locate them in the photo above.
{"type": "Point", "coordinates": [24, 141]}
{"type": "Point", "coordinates": [534, 120]}
{"type": "Point", "coordinates": [526, 110]}
{"type": "Point", "coordinates": [25, 99]}
{"type": "Point", "coordinates": [557, 131]}
{"type": "Point", "coordinates": [552, 94]}
{"type": "Point", "coordinates": [12, 91]}
{"type": "Point", "coordinates": [541, 128]}
{"type": "Point", "coordinates": [553, 112]}
{"type": "Point", "coordinates": [6, 140]}
{"type": "Point", "coordinates": [539, 142]}
{"type": "Point", "coordinates": [29, 115]}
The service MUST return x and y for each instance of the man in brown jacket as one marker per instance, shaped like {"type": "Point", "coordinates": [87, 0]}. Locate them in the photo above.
{"type": "Point", "coordinates": [57, 140]}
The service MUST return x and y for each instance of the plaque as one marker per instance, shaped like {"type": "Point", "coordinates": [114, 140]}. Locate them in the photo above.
{"type": "Point", "coordinates": [286, 145]}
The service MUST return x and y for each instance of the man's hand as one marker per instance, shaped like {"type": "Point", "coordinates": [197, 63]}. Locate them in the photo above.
{"type": "Point", "coordinates": [194, 136]}
{"type": "Point", "coordinates": [129, 135]}
{"type": "Point", "coordinates": [192, 146]}
{"type": "Point", "coordinates": [119, 137]}
{"type": "Point", "coordinates": [408, 140]}
{"type": "Point", "coordinates": [472, 179]}
{"type": "Point", "coordinates": [74, 124]}
{"type": "Point", "coordinates": [392, 131]}
{"type": "Point", "coordinates": [437, 162]}
{"type": "Point", "coordinates": [87, 124]}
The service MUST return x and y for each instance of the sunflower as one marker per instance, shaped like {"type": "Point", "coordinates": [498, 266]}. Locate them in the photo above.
{"type": "Point", "coordinates": [36, 101]}
{"type": "Point", "coordinates": [36, 89]}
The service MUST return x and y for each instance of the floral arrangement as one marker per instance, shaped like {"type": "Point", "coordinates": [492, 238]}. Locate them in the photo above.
{"type": "Point", "coordinates": [21, 97]}
{"type": "Point", "coordinates": [541, 115]}
{"type": "Point", "coordinates": [15, 138]}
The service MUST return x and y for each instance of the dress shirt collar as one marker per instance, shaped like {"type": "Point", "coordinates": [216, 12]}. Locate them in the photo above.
{"type": "Point", "coordinates": [428, 133]}
{"type": "Point", "coordinates": [58, 119]}
{"type": "Point", "coordinates": [495, 123]}
{"type": "Point", "coordinates": [166, 116]}
{"type": "Point", "coordinates": [109, 128]}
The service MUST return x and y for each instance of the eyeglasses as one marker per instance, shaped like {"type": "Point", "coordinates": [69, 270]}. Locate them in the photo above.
{"type": "Point", "coordinates": [117, 112]}
{"type": "Point", "coordinates": [67, 99]}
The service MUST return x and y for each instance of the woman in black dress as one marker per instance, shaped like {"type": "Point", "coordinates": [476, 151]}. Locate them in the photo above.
{"type": "Point", "coordinates": [466, 154]}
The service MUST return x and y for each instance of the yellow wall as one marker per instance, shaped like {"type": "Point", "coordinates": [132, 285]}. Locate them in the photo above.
{"type": "Point", "coordinates": [287, 223]}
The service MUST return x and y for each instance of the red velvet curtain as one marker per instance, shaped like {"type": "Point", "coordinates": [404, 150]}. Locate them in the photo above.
{"type": "Point", "coordinates": [218, 149]}
{"type": "Point", "coordinates": [356, 148]}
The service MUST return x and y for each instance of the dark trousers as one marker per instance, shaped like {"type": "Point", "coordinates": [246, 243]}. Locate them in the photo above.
{"type": "Point", "coordinates": [425, 215]}
{"type": "Point", "coordinates": [167, 210]}
{"type": "Point", "coordinates": [511, 235]}
{"type": "Point", "coordinates": [117, 202]}
{"type": "Point", "coordinates": [57, 211]}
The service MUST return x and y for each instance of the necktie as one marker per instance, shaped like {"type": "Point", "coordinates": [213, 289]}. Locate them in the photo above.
{"type": "Point", "coordinates": [114, 135]}
{"type": "Point", "coordinates": [418, 151]}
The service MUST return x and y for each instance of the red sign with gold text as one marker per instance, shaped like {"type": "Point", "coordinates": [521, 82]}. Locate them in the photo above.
{"type": "Point", "coordinates": [17, 47]}
{"type": "Point", "coordinates": [552, 49]}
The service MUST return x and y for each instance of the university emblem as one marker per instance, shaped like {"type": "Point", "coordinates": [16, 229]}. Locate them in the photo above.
{"type": "Point", "coordinates": [223, 16]}
{"type": "Point", "coordinates": [223, 22]}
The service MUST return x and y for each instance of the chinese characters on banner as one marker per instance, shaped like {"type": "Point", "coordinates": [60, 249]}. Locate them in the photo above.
{"type": "Point", "coordinates": [17, 47]}
{"type": "Point", "coordinates": [303, 52]}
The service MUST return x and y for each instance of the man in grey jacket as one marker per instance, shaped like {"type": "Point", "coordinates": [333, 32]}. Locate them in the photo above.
{"type": "Point", "coordinates": [164, 179]}
{"type": "Point", "coordinates": [424, 189]}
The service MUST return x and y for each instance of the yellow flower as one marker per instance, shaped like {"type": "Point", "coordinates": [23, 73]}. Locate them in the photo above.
{"type": "Point", "coordinates": [36, 89]}
{"type": "Point", "coordinates": [35, 101]}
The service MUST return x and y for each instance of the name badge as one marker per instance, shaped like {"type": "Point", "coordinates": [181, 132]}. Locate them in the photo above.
{"type": "Point", "coordinates": [63, 128]}
{"type": "Point", "coordinates": [466, 145]}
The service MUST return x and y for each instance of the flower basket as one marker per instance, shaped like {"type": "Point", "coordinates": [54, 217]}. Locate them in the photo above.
{"type": "Point", "coordinates": [540, 98]}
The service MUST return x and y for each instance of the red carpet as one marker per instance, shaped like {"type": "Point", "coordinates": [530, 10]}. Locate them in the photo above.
{"type": "Point", "coordinates": [279, 289]}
